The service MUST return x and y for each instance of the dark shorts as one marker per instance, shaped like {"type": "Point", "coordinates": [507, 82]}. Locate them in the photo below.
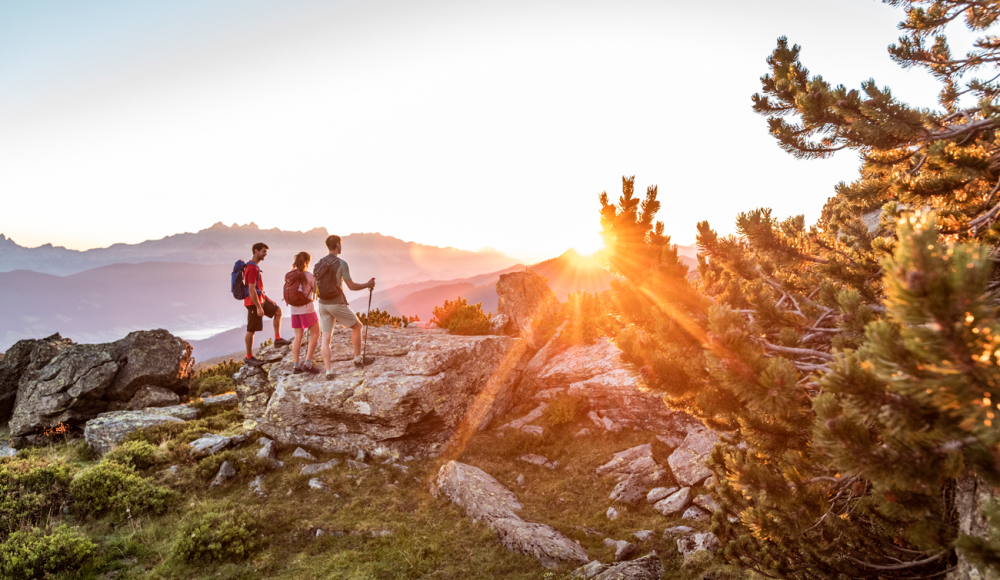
{"type": "Point", "coordinates": [256, 323]}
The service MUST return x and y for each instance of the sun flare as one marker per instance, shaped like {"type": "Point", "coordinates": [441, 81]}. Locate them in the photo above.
{"type": "Point", "coordinates": [590, 245]}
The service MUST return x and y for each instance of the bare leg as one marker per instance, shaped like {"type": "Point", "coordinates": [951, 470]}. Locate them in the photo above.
{"type": "Point", "coordinates": [313, 339]}
{"type": "Point", "coordinates": [276, 321]}
{"type": "Point", "coordinates": [325, 349]}
{"type": "Point", "coordinates": [249, 341]}
{"type": "Point", "coordinates": [356, 338]}
{"type": "Point", "coordinates": [297, 344]}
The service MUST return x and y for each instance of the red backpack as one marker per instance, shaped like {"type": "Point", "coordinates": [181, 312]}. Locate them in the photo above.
{"type": "Point", "coordinates": [293, 295]}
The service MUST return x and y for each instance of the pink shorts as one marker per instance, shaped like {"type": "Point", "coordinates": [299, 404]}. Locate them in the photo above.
{"type": "Point", "coordinates": [304, 320]}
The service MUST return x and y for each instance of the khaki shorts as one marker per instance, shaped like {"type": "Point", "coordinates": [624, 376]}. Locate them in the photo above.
{"type": "Point", "coordinates": [336, 313]}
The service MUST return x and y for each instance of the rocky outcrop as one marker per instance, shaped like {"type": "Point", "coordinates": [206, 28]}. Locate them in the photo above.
{"type": "Point", "coordinates": [16, 361]}
{"type": "Point", "coordinates": [422, 385]}
{"type": "Point", "coordinates": [971, 495]}
{"type": "Point", "coordinates": [635, 462]}
{"type": "Point", "coordinates": [648, 567]}
{"type": "Point", "coordinates": [70, 383]}
{"type": "Point", "coordinates": [688, 461]}
{"type": "Point", "coordinates": [484, 498]}
{"type": "Point", "coordinates": [698, 542]}
{"type": "Point", "coordinates": [110, 429]}
{"type": "Point", "coordinates": [529, 304]}
{"type": "Point", "coordinates": [611, 389]}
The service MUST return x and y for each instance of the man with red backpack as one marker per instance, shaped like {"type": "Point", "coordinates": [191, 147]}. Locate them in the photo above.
{"type": "Point", "coordinates": [258, 305]}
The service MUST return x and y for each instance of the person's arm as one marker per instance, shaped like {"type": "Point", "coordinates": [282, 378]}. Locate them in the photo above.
{"type": "Point", "coordinates": [346, 271]}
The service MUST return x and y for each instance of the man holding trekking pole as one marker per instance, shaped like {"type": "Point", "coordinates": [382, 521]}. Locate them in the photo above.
{"type": "Point", "coordinates": [331, 273]}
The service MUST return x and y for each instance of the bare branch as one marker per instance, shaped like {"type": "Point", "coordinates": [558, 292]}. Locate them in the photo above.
{"type": "Point", "coordinates": [798, 351]}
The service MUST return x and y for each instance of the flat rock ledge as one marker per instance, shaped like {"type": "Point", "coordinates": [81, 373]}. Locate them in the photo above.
{"type": "Point", "coordinates": [485, 498]}
{"type": "Point", "coordinates": [422, 387]}
{"type": "Point", "coordinates": [648, 567]}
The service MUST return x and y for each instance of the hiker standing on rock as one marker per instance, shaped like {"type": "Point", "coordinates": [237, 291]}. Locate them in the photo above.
{"type": "Point", "coordinates": [300, 294]}
{"type": "Point", "coordinates": [331, 273]}
{"type": "Point", "coordinates": [259, 305]}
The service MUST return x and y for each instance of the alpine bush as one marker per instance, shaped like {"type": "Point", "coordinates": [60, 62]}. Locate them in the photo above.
{"type": "Point", "coordinates": [138, 454]}
{"type": "Point", "coordinates": [215, 384]}
{"type": "Point", "coordinates": [564, 409]}
{"type": "Point", "coordinates": [442, 315]}
{"type": "Point", "coordinates": [36, 554]}
{"type": "Point", "coordinates": [228, 535]}
{"type": "Point", "coordinates": [112, 487]}
{"type": "Point", "coordinates": [30, 490]}
{"type": "Point", "coordinates": [469, 320]}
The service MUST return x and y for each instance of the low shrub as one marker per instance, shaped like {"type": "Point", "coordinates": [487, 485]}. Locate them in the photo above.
{"type": "Point", "coordinates": [442, 315]}
{"type": "Point", "coordinates": [224, 369]}
{"type": "Point", "coordinates": [31, 490]}
{"type": "Point", "coordinates": [138, 454]}
{"type": "Point", "coordinates": [215, 384]}
{"type": "Point", "coordinates": [35, 554]}
{"type": "Point", "coordinates": [112, 487]}
{"type": "Point", "coordinates": [380, 318]}
{"type": "Point", "coordinates": [178, 433]}
{"type": "Point", "coordinates": [469, 320]}
{"type": "Point", "coordinates": [563, 410]}
{"type": "Point", "coordinates": [226, 535]}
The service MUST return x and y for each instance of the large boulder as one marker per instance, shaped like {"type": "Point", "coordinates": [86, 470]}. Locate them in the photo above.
{"type": "Point", "coordinates": [612, 389]}
{"type": "Point", "coordinates": [109, 429]}
{"type": "Point", "coordinates": [484, 498]}
{"type": "Point", "coordinates": [71, 383]}
{"type": "Point", "coordinates": [422, 386]}
{"type": "Point", "coordinates": [688, 461]}
{"type": "Point", "coordinates": [529, 304]}
{"type": "Point", "coordinates": [14, 363]}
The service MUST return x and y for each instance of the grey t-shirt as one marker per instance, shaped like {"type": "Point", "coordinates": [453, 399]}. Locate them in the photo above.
{"type": "Point", "coordinates": [343, 273]}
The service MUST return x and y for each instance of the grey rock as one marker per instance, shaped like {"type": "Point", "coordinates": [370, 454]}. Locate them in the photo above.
{"type": "Point", "coordinates": [152, 396]}
{"type": "Point", "coordinates": [403, 468]}
{"type": "Point", "coordinates": [707, 503]}
{"type": "Point", "coordinates": [688, 461]}
{"type": "Point", "coordinates": [16, 361]}
{"type": "Point", "coordinates": [971, 495]}
{"type": "Point", "coordinates": [648, 567]}
{"type": "Point", "coordinates": [582, 432]}
{"type": "Point", "coordinates": [694, 513]}
{"type": "Point", "coordinates": [361, 456]}
{"type": "Point", "coordinates": [535, 430]}
{"type": "Point", "coordinates": [182, 412]}
{"type": "Point", "coordinates": [596, 375]}
{"type": "Point", "coordinates": [534, 415]}
{"type": "Point", "coordinates": [73, 383]}
{"type": "Point", "coordinates": [623, 549]}
{"type": "Point", "coordinates": [356, 464]}
{"type": "Point", "coordinates": [634, 461]}
{"type": "Point", "coordinates": [484, 498]}
{"type": "Point", "coordinates": [500, 324]}
{"type": "Point", "coordinates": [588, 571]}
{"type": "Point", "coordinates": [210, 444]}
{"type": "Point", "coordinates": [676, 531]}
{"type": "Point", "coordinates": [697, 542]}
{"type": "Point", "coordinates": [612, 513]}
{"type": "Point", "coordinates": [224, 401]}
{"type": "Point", "coordinates": [303, 454]}
{"type": "Point", "coordinates": [520, 479]}
{"type": "Point", "coordinates": [207, 394]}
{"type": "Point", "coordinates": [268, 449]}
{"type": "Point", "coordinates": [256, 487]}
{"type": "Point", "coordinates": [538, 460]}
{"type": "Point", "coordinates": [672, 439]}
{"type": "Point", "coordinates": [318, 484]}
{"type": "Point", "coordinates": [6, 450]}
{"type": "Point", "coordinates": [674, 503]}
{"type": "Point", "coordinates": [643, 535]}
{"type": "Point", "coordinates": [409, 401]}
{"type": "Point", "coordinates": [658, 493]}
{"type": "Point", "coordinates": [318, 467]}
{"type": "Point", "coordinates": [630, 490]}
{"type": "Point", "coordinates": [110, 429]}
{"type": "Point", "coordinates": [526, 299]}
{"type": "Point", "coordinates": [226, 472]}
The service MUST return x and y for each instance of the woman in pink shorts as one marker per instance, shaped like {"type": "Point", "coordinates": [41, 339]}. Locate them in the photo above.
{"type": "Point", "coordinates": [305, 317]}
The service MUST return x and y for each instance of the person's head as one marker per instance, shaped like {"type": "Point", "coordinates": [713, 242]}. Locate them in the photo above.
{"type": "Point", "coordinates": [302, 260]}
{"type": "Point", "coordinates": [259, 251]}
{"type": "Point", "coordinates": [333, 243]}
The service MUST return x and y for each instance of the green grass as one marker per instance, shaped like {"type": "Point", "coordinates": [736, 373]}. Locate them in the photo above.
{"type": "Point", "coordinates": [430, 538]}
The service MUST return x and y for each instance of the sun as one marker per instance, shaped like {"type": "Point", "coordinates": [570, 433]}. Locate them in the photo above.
{"type": "Point", "coordinates": [589, 245]}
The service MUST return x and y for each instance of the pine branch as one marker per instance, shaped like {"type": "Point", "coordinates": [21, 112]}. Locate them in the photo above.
{"type": "Point", "coordinates": [904, 566]}
{"type": "Point", "coordinates": [798, 351]}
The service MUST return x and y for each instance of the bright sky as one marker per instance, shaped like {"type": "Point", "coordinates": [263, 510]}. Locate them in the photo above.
{"type": "Point", "coordinates": [453, 123]}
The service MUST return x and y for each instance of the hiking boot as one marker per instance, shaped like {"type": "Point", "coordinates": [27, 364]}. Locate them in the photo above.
{"type": "Point", "coordinates": [329, 376]}
{"type": "Point", "coordinates": [253, 362]}
{"type": "Point", "coordinates": [298, 370]}
{"type": "Point", "coordinates": [309, 368]}
{"type": "Point", "coordinates": [368, 360]}
{"type": "Point", "coordinates": [282, 342]}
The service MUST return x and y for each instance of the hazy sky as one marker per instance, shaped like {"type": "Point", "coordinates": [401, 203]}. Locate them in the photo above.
{"type": "Point", "coordinates": [459, 123]}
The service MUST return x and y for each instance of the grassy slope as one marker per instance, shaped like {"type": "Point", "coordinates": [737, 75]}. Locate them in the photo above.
{"type": "Point", "coordinates": [431, 538]}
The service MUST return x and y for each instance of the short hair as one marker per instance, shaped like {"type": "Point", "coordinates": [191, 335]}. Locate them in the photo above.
{"type": "Point", "coordinates": [302, 260]}
{"type": "Point", "coordinates": [332, 242]}
{"type": "Point", "coordinates": [260, 246]}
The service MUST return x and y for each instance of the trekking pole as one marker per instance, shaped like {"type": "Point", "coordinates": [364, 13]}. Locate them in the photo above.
{"type": "Point", "coordinates": [368, 318]}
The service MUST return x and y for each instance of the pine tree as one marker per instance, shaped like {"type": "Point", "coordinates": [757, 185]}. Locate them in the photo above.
{"type": "Point", "coordinates": [851, 364]}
